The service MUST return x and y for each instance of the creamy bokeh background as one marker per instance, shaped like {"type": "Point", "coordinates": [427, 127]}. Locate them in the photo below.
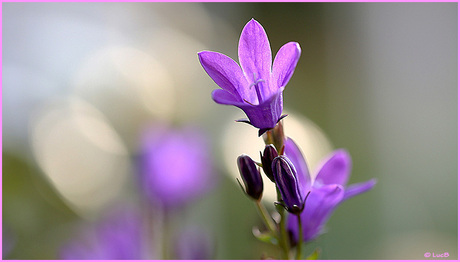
{"type": "Point", "coordinates": [82, 80]}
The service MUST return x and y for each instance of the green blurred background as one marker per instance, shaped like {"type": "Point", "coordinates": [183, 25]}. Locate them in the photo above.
{"type": "Point", "coordinates": [81, 80]}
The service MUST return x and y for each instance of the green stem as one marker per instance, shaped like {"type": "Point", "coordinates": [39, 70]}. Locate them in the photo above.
{"type": "Point", "coordinates": [165, 239]}
{"type": "Point", "coordinates": [284, 244]}
{"type": "Point", "coordinates": [266, 217]}
{"type": "Point", "coordinates": [284, 236]}
{"type": "Point", "coordinates": [300, 242]}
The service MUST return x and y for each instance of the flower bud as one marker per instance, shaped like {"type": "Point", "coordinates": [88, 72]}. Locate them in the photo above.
{"type": "Point", "coordinates": [251, 176]}
{"type": "Point", "coordinates": [267, 158]}
{"type": "Point", "coordinates": [287, 183]}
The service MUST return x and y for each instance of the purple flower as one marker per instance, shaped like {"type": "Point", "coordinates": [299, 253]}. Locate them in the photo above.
{"type": "Point", "coordinates": [286, 180]}
{"type": "Point", "coordinates": [175, 166]}
{"type": "Point", "coordinates": [117, 237]}
{"type": "Point", "coordinates": [327, 190]}
{"type": "Point", "coordinates": [256, 87]}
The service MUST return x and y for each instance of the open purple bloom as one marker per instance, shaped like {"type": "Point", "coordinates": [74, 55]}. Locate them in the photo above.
{"type": "Point", "coordinates": [117, 237]}
{"type": "Point", "coordinates": [327, 190]}
{"type": "Point", "coordinates": [256, 87]}
{"type": "Point", "coordinates": [175, 166]}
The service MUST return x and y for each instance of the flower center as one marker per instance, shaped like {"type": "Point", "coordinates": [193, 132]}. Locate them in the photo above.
{"type": "Point", "coordinates": [257, 88]}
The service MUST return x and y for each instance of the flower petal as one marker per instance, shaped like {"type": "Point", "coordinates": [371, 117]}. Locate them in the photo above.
{"type": "Point", "coordinates": [255, 56]}
{"type": "Point", "coordinates": [336, 169]}
{"type": "Point", "coordinates": [226, 73]}
{"type": "Point", "coordinates": [318, 208]}
{"type": "Point", "coordinates": [294, 154]}
{"type": "Point", "coordinates": [223, 97]}
{"type": "Point", "coordinates": [284, 64]}
{"type": "Point", "coordinates": [267, 114]}
{"type": "Point", "coordinates": [359, 188]}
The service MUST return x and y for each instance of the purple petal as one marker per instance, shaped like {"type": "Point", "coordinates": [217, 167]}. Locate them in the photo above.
{"type": "Point", "coordinates": [267, 114]}
{"type": "Point", "coordinates": [336, 169]}
{"type": "Point", "coordinates": [359, 188]}
{"type": "Point", "coordinates": [318, 208]}
{"type": "Point", "coordinates": [284, 64]}
{"type": "Point", "coordinates": [223, 97]}
{"type": "Point", "coordinates": [294, 154]}
{"type": "Point", "coordinates": [255, 56]}
{"type": "Point", "coordinates": [227, 74]}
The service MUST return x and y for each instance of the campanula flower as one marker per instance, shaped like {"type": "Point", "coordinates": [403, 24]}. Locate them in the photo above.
{"type": "Point", "coordinates": [251, 176]}
{"type": "Point", "coordinates": [255, 85]}
{"type": "Point", "coordinates": [286, 181]}
{"type": "Point", "coordinates": [118, 236]}
{"type": "Point", "coordinates": [327, 189]}
{"type": "Point", "coordinates": [175, 166]}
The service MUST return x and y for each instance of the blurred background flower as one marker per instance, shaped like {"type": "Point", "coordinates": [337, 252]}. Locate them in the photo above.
{"type": "Point", "coordinates": [194, 244]}
{"type": "Point", "coordinates": [82, 80]}
{"type": "Point", "coordinates": [176, 166]}
{"type": "Point", "coordinates": [118, 236]}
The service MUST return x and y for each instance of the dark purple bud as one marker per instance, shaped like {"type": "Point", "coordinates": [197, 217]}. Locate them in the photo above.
{"type": "Point", "coordinates": [251, 176]}
{"type": "Point", "coordinates": [288, 185]}
{"type": "Point", "coordinates": [267, 158]}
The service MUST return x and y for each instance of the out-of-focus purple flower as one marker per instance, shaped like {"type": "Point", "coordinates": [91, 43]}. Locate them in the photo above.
{"type": "Point", "coordinates": [267, 158]}
{"type": "Point", "coordinates": [117, 237]}
{"type": "Point", "coordinates": [251, 176]}
{"type": "Point", "coordinates": [286, 180]}
{"type": "Point", "coordinates": [193, 244]}
{"type": "Point", "coordinates": [256, 87]}
{"type": "Point", "coordinates": [175, 166]}
{"type": "Point", "coordinates": [327, 190]}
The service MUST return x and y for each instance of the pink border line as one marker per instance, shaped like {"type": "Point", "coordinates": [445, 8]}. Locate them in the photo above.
{"type": "Point", "coordinates": [243, 1]}
{"type": "Point", "coordinates": [458, 96]}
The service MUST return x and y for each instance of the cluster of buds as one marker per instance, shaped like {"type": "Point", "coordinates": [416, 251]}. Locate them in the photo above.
{"type": "Point", "coordinates": [282, 173]}
{"type": "Point", "coordinates": [278, 168]}
{"type": "Point", "coordinates": [256, 86]}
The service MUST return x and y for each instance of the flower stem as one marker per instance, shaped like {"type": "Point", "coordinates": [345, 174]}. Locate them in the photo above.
{"type": "Point", "coordinates": [283, 233]}
{"type": "Point", "coordinates": [276, 137]}
{"type": "Point", "coordinates": [266, 217]}
{"type": "Point", "coordinates": [284, 236]}
{"type": "Point", "coordinates": [165, 233]}
{"type": "Point", "coordinates": [300, 241]}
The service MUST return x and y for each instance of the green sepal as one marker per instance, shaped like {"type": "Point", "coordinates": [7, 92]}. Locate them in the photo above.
{"type": "Point", "coordinates": [266, 237]}
{"type": "Point", "coordinates": [314, 255]}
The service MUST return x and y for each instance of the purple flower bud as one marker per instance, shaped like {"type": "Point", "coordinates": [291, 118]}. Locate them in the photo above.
{"type": "Point", "coordinates": [267, 158]}
{"type": "Point", "coordinates": [251, 176]}
{"type": "Point", "coordinates": [286, 181]}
